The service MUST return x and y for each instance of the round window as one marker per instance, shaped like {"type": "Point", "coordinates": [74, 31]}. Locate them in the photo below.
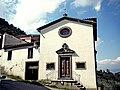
{"type": "Point", "coordinates": [65, 32]}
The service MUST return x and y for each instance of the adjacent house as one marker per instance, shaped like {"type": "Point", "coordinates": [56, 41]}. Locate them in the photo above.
{"type": "Point", "coordinates": [64, 51]}
{"type": "Point", "coordinates": [17, 53]}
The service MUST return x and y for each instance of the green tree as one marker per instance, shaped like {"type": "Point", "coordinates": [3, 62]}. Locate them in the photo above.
{"type": "Point", "coordinates": [5, 27]}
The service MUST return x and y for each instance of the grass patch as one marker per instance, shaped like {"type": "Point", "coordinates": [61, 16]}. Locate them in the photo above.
{"type": "Point", "coordinates": [18, 78]}
{"type": "Point", "coordinates": [47, 83]}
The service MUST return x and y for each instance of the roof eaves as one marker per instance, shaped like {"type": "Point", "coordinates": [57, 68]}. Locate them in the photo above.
{"type": "Point", "coordinates": [19, 45]}
{"type": "Point", "coordinates": [49, 24]}
{"type": "Point", "coordinates": [67, 18]}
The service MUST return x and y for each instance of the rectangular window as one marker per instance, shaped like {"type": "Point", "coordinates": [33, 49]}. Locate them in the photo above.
{"type": "Point", "coordinates": [30, 53]}
{"type": "Point", "coordinates": [23, 39]}
{"type": "Point", "coordinates": [1, 41]}
{"type": "Point", "coordinates": [80, 65]}
{"type": "Point", "coordinates": [9, 55]}
{"type": "Point", "coordinates": [50, 66]}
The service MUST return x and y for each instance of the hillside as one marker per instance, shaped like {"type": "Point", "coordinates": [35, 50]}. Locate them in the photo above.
{"type": "Point", "coordinates": [9, 28]}
{"type": "Point", "coordinates": [108, 80]}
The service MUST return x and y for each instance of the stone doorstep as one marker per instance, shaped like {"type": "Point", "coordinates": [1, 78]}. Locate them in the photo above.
{"type": "Point", "coordinates": [67, 81]}
{"type": "Point", "coordinates": [70, 84]}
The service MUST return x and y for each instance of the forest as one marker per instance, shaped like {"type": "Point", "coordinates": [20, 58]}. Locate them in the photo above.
{"type": "Point", "coordinates": [5, 27]}
{"type": "Point", "coordinates": [108, 80]}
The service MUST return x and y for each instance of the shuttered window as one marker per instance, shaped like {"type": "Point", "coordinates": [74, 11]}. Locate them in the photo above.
{"type": "Point", "coordinates": [30, 53]}
{"type": "Point", "coordinates": [80, 65]}
{"type": "Point", "coordinates": [9, 55]}
{"type": "Point", "coordinates": [50, 66]}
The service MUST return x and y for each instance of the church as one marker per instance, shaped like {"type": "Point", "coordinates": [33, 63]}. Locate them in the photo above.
{"type": "Point", "coordinates": [65, 52]}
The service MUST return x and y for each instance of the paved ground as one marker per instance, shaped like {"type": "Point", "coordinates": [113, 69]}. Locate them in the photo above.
{"type": "Point", "coordinates": [14, 85]}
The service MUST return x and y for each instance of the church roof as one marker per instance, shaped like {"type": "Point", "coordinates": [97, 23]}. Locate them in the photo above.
{"type": "Point", "coordinates": [89, 21]}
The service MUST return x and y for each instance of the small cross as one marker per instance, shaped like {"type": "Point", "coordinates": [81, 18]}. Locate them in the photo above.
{"type": "Point", "coordinates": [65, 14]}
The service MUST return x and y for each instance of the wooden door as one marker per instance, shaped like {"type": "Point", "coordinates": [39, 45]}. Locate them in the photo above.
{"type": "Point", "coordinates": [31, 72]}
{"type": "Point", "coordinates": [65, 67]}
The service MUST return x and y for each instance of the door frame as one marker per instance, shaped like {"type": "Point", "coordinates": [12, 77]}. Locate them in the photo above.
{"type": "Point", "coordinates": [29, 65]}
{"type": "Point", "coordinates": [59, 73]}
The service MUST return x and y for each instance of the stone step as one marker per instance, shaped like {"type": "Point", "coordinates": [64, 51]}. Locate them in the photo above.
{"type": "Point", "coordinates": [77, 84]}
{"type": "Point", "coordinates": [82, 88]}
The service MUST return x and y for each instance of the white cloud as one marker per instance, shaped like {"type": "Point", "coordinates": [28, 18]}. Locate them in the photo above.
{"type": "Point", "coordinates": [98, 42]}
{"type": "Point", "coordinates": [96, 4]}
{"type": "Point", "coordinates": [7, 8]}
{"type": "Point", "coordinates": [82, 12]}
{"type": "Point", "coordinates": [31, 14]}
{"type": "Point", "coordinates": [81, 3]}
{"type": "Point", "coordinates": [112, 64]}
{"type": "Point", "coordinates": [28, 14]}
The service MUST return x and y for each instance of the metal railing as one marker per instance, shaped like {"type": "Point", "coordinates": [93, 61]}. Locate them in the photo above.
{"type": "Point", "coordinates": [76, 76]}
{"type": "Point", "coordinates": [52, 75]}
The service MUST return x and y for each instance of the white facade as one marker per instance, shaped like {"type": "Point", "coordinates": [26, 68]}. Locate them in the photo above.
{"type": "Point", "coordinates": [81, 41]}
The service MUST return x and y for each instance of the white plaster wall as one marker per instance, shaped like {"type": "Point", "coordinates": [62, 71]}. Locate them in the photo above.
{"type": "Point", "coordinates": [1, 57]}
{"type": "Point", "coordinates": [81, 41]}
{"type": "Point", "coordinates": [17, 63]}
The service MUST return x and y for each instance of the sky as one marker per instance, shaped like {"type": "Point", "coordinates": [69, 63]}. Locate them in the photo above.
{"type": "Point", "coordinates": [28, 15]}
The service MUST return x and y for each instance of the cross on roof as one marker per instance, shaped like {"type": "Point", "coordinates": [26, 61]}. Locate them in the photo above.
{"type": "Point", "coordinates": [65, 10]}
